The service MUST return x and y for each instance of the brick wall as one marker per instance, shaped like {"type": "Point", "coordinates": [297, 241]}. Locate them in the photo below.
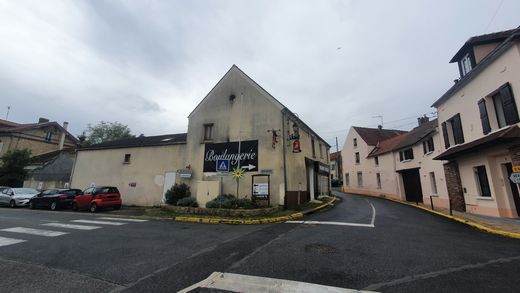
{"type": "Point", "coordinates": [454, 185]}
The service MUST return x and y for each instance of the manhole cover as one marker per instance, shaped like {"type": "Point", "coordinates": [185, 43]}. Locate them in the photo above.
{"type": "Point", "coordinates": [320, 248]}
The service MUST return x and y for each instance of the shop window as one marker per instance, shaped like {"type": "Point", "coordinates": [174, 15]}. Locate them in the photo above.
{"type": "Point", "coordinates": [360, 179]}
{"type": "Point", "coordinates": [428, 146]}
{"type": "Point", "coordinates": [126, 160]}
{"type": "Point", "coordinates": [376, 160]}
{"type": "Point", "coordinates": [208, 131]}
{"type": "Point", "coordinates": [378, 179]}
{"type": "Point", "coordinates": [347, 179]}
{"type": "Point", "coordinates": [482, 181]}
{"type": "Point", "coordinates": [433, 183]}
{"type": "Point", "coordinates": [357, 157]}
{"type": "Point", "coordinates": [406, 155]}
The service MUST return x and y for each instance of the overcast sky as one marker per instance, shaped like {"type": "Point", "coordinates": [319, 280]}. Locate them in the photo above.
{"type": "Point", "coordinates": [147, 64]}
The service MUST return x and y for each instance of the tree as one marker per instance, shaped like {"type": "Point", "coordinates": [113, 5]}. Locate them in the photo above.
{"type": "Point", "coordinates": [104, 131]}
{"type": "Point", "coordinates": [12, 172]}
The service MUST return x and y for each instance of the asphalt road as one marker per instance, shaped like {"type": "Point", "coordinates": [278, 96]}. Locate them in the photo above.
{"type": "Point", "coordinates": [361, 243]}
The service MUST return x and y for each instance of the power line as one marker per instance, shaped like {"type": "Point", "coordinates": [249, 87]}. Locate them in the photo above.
{"type": "Point", "coordinates": [494, 15]}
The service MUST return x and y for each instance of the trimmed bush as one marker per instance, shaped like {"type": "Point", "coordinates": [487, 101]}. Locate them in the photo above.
{"type": "Point", "coordinates": [229, 201]}
{"type": "Point", "coordinates": [188, 202]}
{"type": "Point", "coordinates": [177, 192]}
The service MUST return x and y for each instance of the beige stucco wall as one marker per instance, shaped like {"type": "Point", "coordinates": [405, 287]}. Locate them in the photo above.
{"type": "Point", "coordinates": [482, 51]}
{"type": "Point", "coordinates": [147, 168]}
{"type": "Point", "coordinates": [34, 140]}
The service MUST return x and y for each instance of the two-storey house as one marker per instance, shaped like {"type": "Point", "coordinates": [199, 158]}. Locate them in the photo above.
{"type": "Point", "coordinates": [479, 120]}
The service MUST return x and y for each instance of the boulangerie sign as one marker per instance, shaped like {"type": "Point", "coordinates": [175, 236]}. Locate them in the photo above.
{"type": "Point", "coordinates": [229, 151]}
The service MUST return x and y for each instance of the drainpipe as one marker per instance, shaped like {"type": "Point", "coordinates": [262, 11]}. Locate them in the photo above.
{"type": "Point", "coordinates": [62, 138]}
{"type": "Point", "coordinates": [284, 161]}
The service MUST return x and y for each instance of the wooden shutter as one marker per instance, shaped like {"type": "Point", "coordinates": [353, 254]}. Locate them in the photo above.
{"type": "Point", "coordinates": [424, 147]}
{"type": "Point", "coordinates": [445, 135]}
{"type": "Point", "coordinates": [509, 105]}
{"type": "Point", "coordinates": [484, 119]}
{"type": "Point", "coordinates": [458, 134]}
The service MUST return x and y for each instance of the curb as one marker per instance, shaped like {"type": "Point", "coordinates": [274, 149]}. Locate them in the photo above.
{"type": "Point", "coordinates": [268, 220]}
{"type": "Point", "coordinates": [457, 219]}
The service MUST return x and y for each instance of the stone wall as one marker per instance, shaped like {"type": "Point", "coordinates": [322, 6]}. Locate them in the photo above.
{"type": "Point", "coordinates": [454, 185]}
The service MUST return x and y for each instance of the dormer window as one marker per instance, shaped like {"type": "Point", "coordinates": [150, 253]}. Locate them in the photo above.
{"type": "Point", "coordinates": [465, 64]}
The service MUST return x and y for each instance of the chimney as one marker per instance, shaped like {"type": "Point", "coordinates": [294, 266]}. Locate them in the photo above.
{"type": "Point", "coordinates": [42, 120]}
{"type": "Point", "coordinates": [62, 138]}
{"type": "Point", "coordinates": [422, 120]}
{"type": "Point", "coordinates": [380, 127]}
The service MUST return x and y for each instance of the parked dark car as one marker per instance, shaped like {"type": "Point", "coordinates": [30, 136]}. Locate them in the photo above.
{"type": "Point", "coordinates": [54, 199]}
{"type": "Point", "coordinates": [336, 183]}
{"type": "Point", "coordinates": [94, 198]}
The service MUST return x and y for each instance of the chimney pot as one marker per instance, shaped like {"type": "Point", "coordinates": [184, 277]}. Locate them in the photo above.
{"type": "Point", "coordinates": [380, 127]}
{"type": "Point", "coordinates": [42, 120]}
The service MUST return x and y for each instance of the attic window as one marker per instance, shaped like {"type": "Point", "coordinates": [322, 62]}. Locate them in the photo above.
{"type": "Point", "coordinates": [465, 64]}
{"type": "Point", "coordinates": [127, 159]}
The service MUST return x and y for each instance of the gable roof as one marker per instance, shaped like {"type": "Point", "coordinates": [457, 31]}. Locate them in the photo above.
{"type": "Point", "coordinates": [140, 141]}
{"type": "Point", "coordinates": [372, 136]}
{"type": "Point", "coordinates": [6, 123]}
{"type": "Point", "coordinates": [484, 63]}
{"type": "Point", "coordinates": [481, 39]}
{"type": "Point", "coordinates": [29, 126]}
{"type": "Point", "coordinates": [387, 146]}
{"type": "Point", "coordinates": [417, 134]}
{"type": "Point", "coordinates": [334, 156]}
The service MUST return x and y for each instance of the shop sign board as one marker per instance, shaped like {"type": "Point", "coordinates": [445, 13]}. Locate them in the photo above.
{"type": "Point", "coordinates": [229, 151]}
{"type": "Point", "coordinates": [516, 169]}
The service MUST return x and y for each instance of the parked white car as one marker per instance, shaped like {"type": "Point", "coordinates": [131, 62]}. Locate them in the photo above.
{"type": "Point", "coordinates": [14, 197]}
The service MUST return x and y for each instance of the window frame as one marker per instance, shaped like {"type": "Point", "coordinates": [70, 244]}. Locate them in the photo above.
{"type": "Point", "coordinates": [360, 179]}
{"type": "Point", "coordinates": [378, 181]}
{"type": "Point", "coordinates": [208, 131]}
{"type": "Point", "coordinates": [127, 158]}
{"type": "Point", "coordinates": [313, 148]}
{"type": "Point", "coordinates": [376, 160]}
{"type": "Point", "coordinates": [357, 158]}
{"type": "Point", "coordinates": [482, 179]}
{"type": "Point", "coordinates": [428, 146]}
{"type": "Point", "coordinates": [403, 155]}
{"type": "Point", "coordinates": [433, 183]}
{"type": "Point", "coordinates": [347, 179]}
{"type": "Point", "coordinates": [355, 142]}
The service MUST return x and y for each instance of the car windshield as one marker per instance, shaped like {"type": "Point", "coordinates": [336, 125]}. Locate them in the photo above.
{"type": "Point", "coordinates": [25, 191]}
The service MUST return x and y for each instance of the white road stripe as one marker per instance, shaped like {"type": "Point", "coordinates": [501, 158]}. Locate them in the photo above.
{"type": "Point", "coordinates": [71, 226]}
{"type": "Point", "coordinates": [46, 233]}
{"type": "Point", "coordinates": [122, 219]}
{"type": "Point", "coordinates": [99, 222]}
{"type": "Point", "coordinates": [373, 213]}
{"type": "Point", "coordinates": [4, 241]}
{"type": "Point", "coordinates": [331, 223]}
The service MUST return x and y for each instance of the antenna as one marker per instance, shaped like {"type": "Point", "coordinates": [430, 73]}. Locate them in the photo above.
{"type": "Point", "coordinates": [379, 116]}
{"type": "Point", "coordinates": [7, 115]}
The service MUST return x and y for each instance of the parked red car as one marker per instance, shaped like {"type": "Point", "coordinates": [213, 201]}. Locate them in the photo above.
{"type": "Point", "coordinates": [94, 198]}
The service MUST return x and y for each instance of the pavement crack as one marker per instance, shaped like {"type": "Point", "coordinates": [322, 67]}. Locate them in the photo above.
{"type": "Point", "coordinates": [412, 278]}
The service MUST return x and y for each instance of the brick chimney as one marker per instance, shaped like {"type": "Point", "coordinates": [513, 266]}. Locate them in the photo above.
{"type": "Point", "coordinates": [422, 120]}
{"type": "Point", "coordinates": [62, 138]}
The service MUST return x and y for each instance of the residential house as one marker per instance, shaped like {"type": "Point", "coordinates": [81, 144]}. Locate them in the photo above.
{"type": "Point", "coordinates": [50, 170]}
{"type": "Point", "coordinates": [336, 171]}
{"type": "Point", "coordinates": [284, 160]}
{"type": "Point", "coordinates": [480, 122]}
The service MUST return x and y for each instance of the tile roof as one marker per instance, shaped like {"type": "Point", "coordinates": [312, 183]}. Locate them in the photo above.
{"type": "Point", "coordinates": [45, 157]}
{"type": "Point", "coordinates": [481, 39]}
{"type": "Point", "coordinates": [417, 134]}
{"type": "Point", "coordinates": [28, 126]}
{"type": "Point", "coordinates": [140, 141]}
{"type": "Point", "coordinates": [372, 136]}
{"type": "Point", "coordinates": [333, 156]}
{"type": "Point", "coordinates": [387, 145]}
{"type": "Point", "coordinates": [510, 134]}
{"type": "Point", "coordinates": [6, 123]}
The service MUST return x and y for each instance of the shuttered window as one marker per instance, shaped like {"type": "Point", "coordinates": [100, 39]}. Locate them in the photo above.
{"type": "Point", "coordinates": [456, 126]}
{"type": "Point", "coordinates": [445, 135]}
{"type": "Point", "coordinates": [484, 119]}
{"type": "Point", "coordinates": [505, 107]}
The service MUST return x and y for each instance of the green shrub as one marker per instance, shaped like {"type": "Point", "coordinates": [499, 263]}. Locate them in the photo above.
{"type": "Point", "coordinates": [229, 201]}
{"type": "Point", "coordinates": [177, 192]}
{"type": "Point", "coordinates": [187, 202]}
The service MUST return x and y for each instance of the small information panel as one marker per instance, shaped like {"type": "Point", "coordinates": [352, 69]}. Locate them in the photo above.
{"type": "Point", "coordinates": [261, 189]}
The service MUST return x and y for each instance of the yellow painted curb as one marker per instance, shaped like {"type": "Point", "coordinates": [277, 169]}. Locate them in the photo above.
{"type": "Point", "coordinates": [463, 221]}
{"type": "Point", "coordinates": [293, 216]}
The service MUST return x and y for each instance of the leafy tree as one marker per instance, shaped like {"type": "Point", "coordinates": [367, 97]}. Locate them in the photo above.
{"type": "Point", "coordinates": [12, 166]}
{"type": "Point", "coordinates": [104, 131]}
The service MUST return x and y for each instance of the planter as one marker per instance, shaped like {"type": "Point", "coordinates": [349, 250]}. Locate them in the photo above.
{"type": "Point", "coordinates": [222, 212]}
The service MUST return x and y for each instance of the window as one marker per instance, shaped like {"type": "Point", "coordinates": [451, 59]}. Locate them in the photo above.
{"type": "Point", "coordinates": [357, 157]}
{"type": "Point", "coordinates": [48, 136]}
{"type": "Point", "coordinates": [360, 178]}
{"type": "Point", "coordinates": [313, 149]}
{"type": "Point", "coordinates": [347, 179]}
{"type": "Point", "coordinates": [505, 107]}
{"type": "Point", "coordinates": [445, 135]}
{"type": "Point", "coordinates": [355, 142]}
{"type": "Point", "coordinates": [433, 183]}
{"type": "Point", "coordinates": [208, 131]}
{"type": "Point", "coordinates": [406, 155]}
{"type": "Point", "coordinates": [482, 181]}
{"type": "Point", "coordinates": [484, 118]}
{"type": "Point", "coordinates": [376, 160]}
{"type": "Point", "coordinates": [428, 145]}
{"type": "Point", "coordinates": [127, 159]}
{"type": "Point", "coordinates": [465, 64]}
{"type": "Point", "coordinates": [378, 179]}
{"type": "Point", "coordinates": [321, 151]}
{"type": "Point", "coordinates": [452, 131]}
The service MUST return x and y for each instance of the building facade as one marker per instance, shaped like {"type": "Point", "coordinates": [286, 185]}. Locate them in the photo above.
{"type": "Point", "coordinates": [237, 121]}
{"type": "Point", "coordinates": [479, 120]}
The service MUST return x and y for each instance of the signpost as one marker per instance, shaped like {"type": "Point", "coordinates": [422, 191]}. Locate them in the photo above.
{"type": "Point", "coordinates": [515, 178]}
{"type": "Point", "coordinates": [260, 190]}
{"type": "Point", "coordinates": [222, 168]}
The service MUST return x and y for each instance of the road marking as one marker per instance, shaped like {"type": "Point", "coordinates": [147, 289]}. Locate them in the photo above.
{"type": "Point", "coordinates": [373, 213]}
{"type": "Point", "coordinates": [46, 233]}
{"type": "Point", "coordinates": [71, 226]}
{"type": "Point", "coordinates": [331, 223]}
{"type": "Point", "coordinates": [244, 283]}
{"type": "Point", "coordinates": [99, 222]}
{"type": "Point", "coordinates": [122, 219]}
{"type": "Point", "coordinates": [4, 241]}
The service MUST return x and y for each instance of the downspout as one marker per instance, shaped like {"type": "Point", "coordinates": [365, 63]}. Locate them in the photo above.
{"type": "Point", "coordinates": [284, 161]}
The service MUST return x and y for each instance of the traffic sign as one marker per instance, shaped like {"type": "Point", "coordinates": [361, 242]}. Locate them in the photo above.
{"type": "Point", "coordinates": [222, 166]}
{"type": "Point", "coordinates": [516, 168]}
{"type": "Point", "coordinates": [515, 178]}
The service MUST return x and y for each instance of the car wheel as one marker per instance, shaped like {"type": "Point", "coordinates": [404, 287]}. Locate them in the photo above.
{"type": "Point", "coordinates": [93, 207]}
{"type": "Point", "coordinates": [117, 207]}
{"type": "Point", "coordinates": [54, 206]}
{"type": "Point", "coordinates": [12, 203]}
{"type": "Point", "coordinates": [74, 206]}
{"type": "Point", "coordinates": [31, 205]}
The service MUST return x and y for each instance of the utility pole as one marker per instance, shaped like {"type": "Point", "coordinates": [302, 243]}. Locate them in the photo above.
{"type": "Point", "coordinates": [240, 138]}
{"type": "Point", "coordinates": [337, 159]}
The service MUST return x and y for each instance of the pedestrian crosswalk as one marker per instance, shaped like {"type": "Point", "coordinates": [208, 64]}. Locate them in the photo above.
{"type": "Point", "coordinates": [66, 228]}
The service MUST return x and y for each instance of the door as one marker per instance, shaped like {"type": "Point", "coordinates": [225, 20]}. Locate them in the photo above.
{"type": "Point", "coordinates": [84, 199]}
{"type": "Point", "coordinates": [514, 188]}
{"type": "Point", "coordinates": [169, 181]}
{"type": "Point", "coordinates": [412, 185]}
